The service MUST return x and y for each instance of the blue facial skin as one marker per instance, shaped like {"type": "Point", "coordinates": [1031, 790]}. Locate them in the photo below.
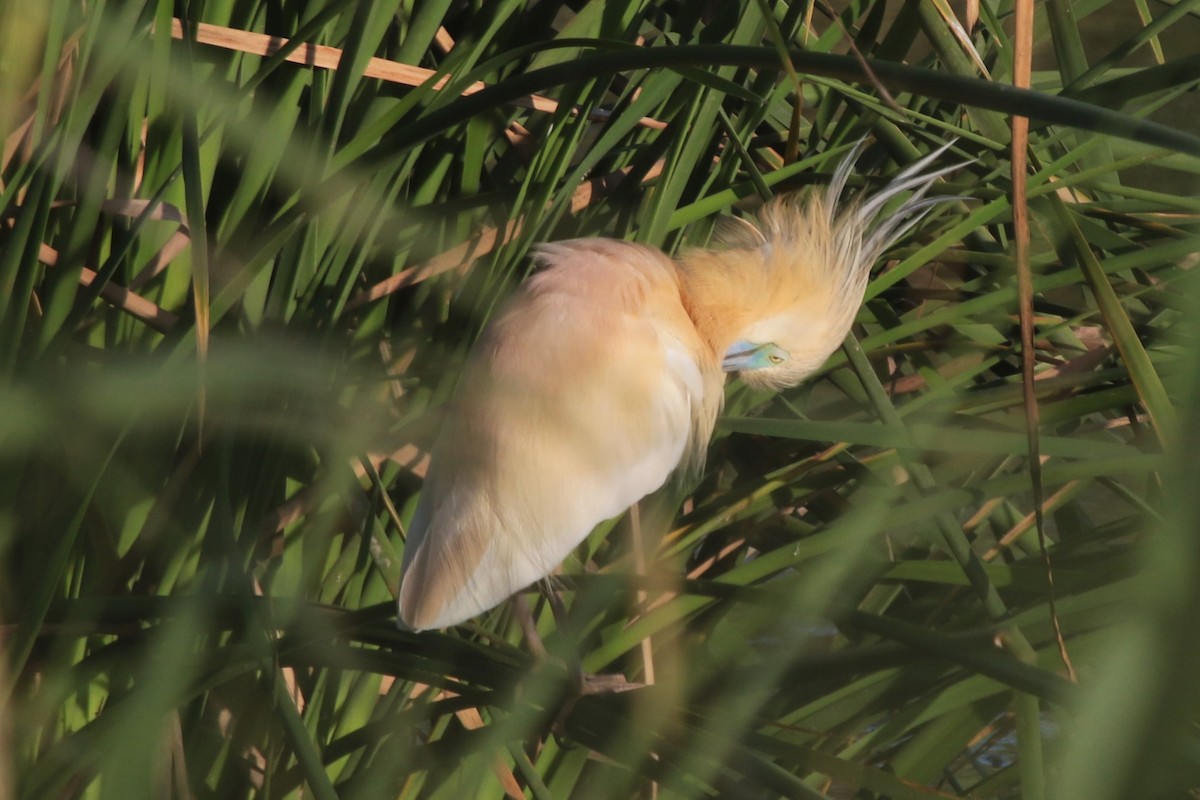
{"type": "Point", "coordinates": [745, 356]}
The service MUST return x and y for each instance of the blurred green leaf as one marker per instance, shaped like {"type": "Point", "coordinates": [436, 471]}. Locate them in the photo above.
{"type": "Point", "coordinates": [199, 555]}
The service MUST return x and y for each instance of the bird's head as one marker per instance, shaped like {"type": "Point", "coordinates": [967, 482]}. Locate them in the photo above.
{"type": "Point", "coordinates": [783, 295]}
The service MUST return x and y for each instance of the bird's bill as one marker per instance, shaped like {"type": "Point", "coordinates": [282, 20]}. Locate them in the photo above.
{"type": "Point", "coordinates": [742, 356]}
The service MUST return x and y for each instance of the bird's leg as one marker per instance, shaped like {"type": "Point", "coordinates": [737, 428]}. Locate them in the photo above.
{"type": "Point", "coordinates": [581, 683]}
{"type": "Point", "coordinates": [639, 567]}
{"type": "Point", "coordinates": [524, 617]}
{"type": "Point", "coordinates": [574, 667]}
{"type": "Point", "coordinates": [584, 683]}
{"type": "Point", "coordinates": [537, 648]}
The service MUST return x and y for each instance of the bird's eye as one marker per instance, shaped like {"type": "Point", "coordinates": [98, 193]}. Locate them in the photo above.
{"type": "Point", "coordinates": [775, 358]}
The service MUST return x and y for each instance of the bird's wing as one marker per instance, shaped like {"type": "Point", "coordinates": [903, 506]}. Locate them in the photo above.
{"type": "Point", "coordinates": [578, 401]}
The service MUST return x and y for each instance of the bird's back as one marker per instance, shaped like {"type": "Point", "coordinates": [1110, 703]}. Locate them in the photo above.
{"type": "Point", "coordinates": [581, 398]}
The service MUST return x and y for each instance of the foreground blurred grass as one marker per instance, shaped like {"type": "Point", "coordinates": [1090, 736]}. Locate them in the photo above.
{"type": "Point", "coordinates": [234, 291]}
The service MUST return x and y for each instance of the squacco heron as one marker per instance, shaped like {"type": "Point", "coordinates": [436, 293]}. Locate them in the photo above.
{"type": "Point", "coordinates": [604, 374]}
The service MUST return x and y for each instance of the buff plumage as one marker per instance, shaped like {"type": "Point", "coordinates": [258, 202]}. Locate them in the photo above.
{"type": "Point", "coordinates": [604, 374]}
